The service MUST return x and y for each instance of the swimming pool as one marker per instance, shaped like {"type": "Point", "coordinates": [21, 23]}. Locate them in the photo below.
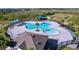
{"type": "Point", "coordinates": [30, 26]}
{"type": "Point", "coordinates": [42, 26]}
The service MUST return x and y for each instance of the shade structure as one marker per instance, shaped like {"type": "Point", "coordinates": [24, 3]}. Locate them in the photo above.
{"type": "Point", "coordinates": [42, 18]}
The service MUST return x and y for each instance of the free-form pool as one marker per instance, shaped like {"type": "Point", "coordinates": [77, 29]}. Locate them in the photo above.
{"type": "Point", "coordinates": [42, 26]}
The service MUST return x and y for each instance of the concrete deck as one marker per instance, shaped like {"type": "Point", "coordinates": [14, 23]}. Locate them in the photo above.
{"type": "Point", "coordinates": [64, 34]}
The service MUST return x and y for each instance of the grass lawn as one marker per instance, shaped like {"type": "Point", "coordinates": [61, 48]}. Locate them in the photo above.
{"type": "Point", "coordinates": [4, 22]}
{"type": "Point", "coordinates": [61, 16]}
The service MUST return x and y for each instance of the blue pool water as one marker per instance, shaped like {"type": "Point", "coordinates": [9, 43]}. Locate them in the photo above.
{"type": "Point", "coordinates": [43, 26]}
{"type": "Point", "coordinates": [30, 26]}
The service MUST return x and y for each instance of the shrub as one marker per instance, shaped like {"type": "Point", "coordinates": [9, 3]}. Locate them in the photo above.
{"type": "Point", "coordinates": [50, 13]}
{"type": "Point", "coordinates": [77, 33]}
{"type": "Point", "coordinates": [3, 41]}
{"type": "Point", "coordinates": [1, 16]}
{"type": "Point", "coordinates": [2, 30]}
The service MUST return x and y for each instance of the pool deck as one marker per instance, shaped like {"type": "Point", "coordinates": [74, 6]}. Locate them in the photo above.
{"type": "Point", "coordinates": [63, 36]}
